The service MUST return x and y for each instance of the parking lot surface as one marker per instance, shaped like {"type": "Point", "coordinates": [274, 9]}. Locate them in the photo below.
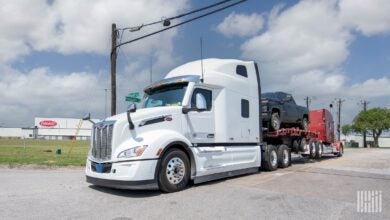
{"type": "Point", "coordinates": [309, 189]}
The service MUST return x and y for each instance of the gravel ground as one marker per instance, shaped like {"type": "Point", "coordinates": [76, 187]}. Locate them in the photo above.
{"type": "Point", "coordinates": [309, 189]}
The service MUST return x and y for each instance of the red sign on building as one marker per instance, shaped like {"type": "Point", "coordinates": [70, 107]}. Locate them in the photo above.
{"type": "Point", "coordinates": [47, 123]}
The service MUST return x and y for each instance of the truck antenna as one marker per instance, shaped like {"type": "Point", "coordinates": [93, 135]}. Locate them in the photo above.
{"type": "Point", "coordinates": [201, 58]}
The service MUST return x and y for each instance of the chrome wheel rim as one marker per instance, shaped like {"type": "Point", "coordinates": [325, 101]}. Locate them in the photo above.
{"type": "Point", "coordinates": [305, 124]}
{"type": "Point", "coordinates": [320, 150]}
{"type": "Point", "coordinates": [274, 158]}
{"type": "Point", "coordinates": [175, 170]}
{"type": "Point", "coordinates": [285, 157]}
{"type": "Point", "coordinates": [275, 123]}
{"type": "Point", "coordinates": [313, 150]}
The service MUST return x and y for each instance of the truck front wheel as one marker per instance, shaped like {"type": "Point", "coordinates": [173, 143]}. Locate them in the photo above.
{"type": "Point", "coordinates": [174, 173]}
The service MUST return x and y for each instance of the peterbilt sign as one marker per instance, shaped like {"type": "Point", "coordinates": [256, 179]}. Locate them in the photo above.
{"type": "Point", "coordinates": [48, 123]}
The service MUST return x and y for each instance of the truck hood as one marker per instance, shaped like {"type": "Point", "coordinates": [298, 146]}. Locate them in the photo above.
{"type": "Point", "coordinates": [146, 113]}
{"type": "Point", "coordinates": [149, 125]}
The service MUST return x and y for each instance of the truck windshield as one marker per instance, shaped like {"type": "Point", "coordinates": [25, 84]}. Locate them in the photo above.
{"type": "Point", "coordinates": [170, 95]}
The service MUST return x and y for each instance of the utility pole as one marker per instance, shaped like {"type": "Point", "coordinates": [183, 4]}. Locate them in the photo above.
{"type": "Point", "coordinates": [364, 103]}
{"type": "Point", "coordinates": [339, 118]}
{"type": "Point", "coordinates": [113, 69]}
{"type": "Point", "coordinates": [307, 99]}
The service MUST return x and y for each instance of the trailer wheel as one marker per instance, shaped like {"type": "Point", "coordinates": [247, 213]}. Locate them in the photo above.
{"type": "Point", "coordinates": [284, 156]}
{"type": "Point", "coordinates": [341, 151]}
{"type": "Point", "coordinates": [174, 173]}
{"type": "Point", "coordinates": [318, 150]}
{"type": "Point", "coordinates": [275, 121]}
{"type": "Point", "coordinates": [270, 159]}
{"type": "Point", "coordinates": [312, 147]}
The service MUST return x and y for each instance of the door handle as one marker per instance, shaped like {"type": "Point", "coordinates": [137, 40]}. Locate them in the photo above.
{"type": "Point", "coordinates": [210, 135]}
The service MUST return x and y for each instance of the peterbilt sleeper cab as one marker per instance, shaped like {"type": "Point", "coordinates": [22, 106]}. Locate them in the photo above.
{"type": "Point", "coordinates": [194, 125]}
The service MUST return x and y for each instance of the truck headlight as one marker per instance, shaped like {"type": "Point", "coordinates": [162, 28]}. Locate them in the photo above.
{"type": "Point", "coordinates": [133, 152]}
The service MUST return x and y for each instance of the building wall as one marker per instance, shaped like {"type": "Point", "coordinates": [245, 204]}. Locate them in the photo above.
{"type": "Point", "coordinates": [62, 128]}
{"type": "Point", "coordinates": [384, 141]}
{"type": "Point", "coordinates": [15, 133]}
{"type": "Point", "coordinates": [51, 128]}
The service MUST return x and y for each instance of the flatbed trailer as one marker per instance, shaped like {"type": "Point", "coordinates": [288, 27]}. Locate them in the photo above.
{"type": "Point", "coordinates": [313, 143]}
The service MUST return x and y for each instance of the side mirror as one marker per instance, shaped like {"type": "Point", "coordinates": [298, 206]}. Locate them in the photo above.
{"type": "Point", "coordinates": [87, 117]}
{"type": "Point", "coordinates": [132, 108]}
{"type": "Point", "coordinates": [201, 104]}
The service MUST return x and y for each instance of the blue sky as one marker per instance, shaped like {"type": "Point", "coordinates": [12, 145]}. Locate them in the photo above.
{"type": "Point", "coordinates": [54, 57]}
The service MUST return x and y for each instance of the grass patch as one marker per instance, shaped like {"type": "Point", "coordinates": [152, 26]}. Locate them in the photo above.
{"type": "Point", "coordinates": [43, 152]}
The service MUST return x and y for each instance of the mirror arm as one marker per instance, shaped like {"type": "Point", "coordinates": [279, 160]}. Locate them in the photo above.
{"type": "Point", "coordinates": [131, 124]}
{"type": "Point", "coordinates": [130, 109]}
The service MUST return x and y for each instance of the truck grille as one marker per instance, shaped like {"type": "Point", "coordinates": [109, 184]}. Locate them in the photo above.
{"type": "Point", "coordinates": [102, 140]}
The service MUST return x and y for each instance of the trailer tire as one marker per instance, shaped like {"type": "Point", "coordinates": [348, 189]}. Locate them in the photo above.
{"type": "Point", "coordinates": [312, 147]}
{"type": "Point", "coordinates": [284, 156]}
{"type": "Point", "coordinates": [174, 172]}
{"type": "Point", "coordinates": [318, 150]}
{"type": "Point", "coordinates": [341, 151]}
{"type": "Point", "coordinates": [270, 159]}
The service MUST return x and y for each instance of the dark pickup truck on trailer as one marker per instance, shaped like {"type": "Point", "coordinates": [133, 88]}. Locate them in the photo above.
{"type": "Point", "coordinates": [280, 110]}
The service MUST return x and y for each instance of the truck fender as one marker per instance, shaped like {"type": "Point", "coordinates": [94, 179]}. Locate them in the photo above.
{"type": "Point", "coordinates": [182, 146]}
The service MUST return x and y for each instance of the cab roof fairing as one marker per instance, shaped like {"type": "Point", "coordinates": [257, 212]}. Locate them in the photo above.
{"type": "Point", "coordinates": [173, 80]}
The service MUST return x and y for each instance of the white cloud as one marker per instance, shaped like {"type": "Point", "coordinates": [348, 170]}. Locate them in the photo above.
{"type": "Point", "coordinates": [72, 26]}
{"type": "Point", "coordinates": [369, 17]}
{"type": "Point", "coordinates": [241, 25]}
{"type": "Point", "coordinates": [307, 36]}
{"type": "Point", "coordinates": [371, 88]}
{"type": "Point", "coordinates": [40, 92]}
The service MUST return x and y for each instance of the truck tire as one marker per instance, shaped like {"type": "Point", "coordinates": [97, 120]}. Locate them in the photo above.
{"type": "Point", "coordinates": [312, 147]}
{"type": "Point", "coordinates": [270, 159]}
{"type": "Point", "coordinates": [174, 173]}
{"type": "Point", "coordinates": [275, 121]}
{"type": "Point", "coordinates": [318, 150]}
{"type": "Point", "coordinates": [284, 156]}
{"type": "Point", "coordinates": [341, 151]}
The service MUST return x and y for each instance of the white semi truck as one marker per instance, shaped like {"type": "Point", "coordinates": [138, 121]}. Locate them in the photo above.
{"type": "Point", "coordinates": [194, 125]}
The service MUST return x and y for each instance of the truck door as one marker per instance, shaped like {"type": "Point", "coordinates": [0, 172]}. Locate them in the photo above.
{"type": "Point", "coordinates": [201, 131]}
{"type": "Point", "coordinates": [201, 123]}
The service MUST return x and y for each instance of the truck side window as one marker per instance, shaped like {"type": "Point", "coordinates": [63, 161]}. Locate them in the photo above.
{"type": "Point", "coordinates": [244, 108]}
{"type": "Point", "coordinates": [206, 94]}
{"type": "Point", "coordinates": [241, 70]}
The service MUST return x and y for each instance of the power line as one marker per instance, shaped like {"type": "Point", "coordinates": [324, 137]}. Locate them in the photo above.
{"type": "Point", "coordinates": [136, 28]}
{"type": "Point", "coordinates": [178, 24]}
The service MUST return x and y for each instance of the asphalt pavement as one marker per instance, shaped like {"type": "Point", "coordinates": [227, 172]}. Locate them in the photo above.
{"type": "Point", "coordinates": [326, 189]}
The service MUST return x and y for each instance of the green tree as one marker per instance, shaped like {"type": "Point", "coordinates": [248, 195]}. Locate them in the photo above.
{"type": "Point", "coordinates": [346, 129]}
{"type": "Point", "coordinates": [373, 121]}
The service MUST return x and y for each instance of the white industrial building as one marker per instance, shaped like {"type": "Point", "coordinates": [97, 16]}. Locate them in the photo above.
{"type": "Point", "coordinates": [384, 139]}
{"type": "Point", "coordinates": [51, 129]}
